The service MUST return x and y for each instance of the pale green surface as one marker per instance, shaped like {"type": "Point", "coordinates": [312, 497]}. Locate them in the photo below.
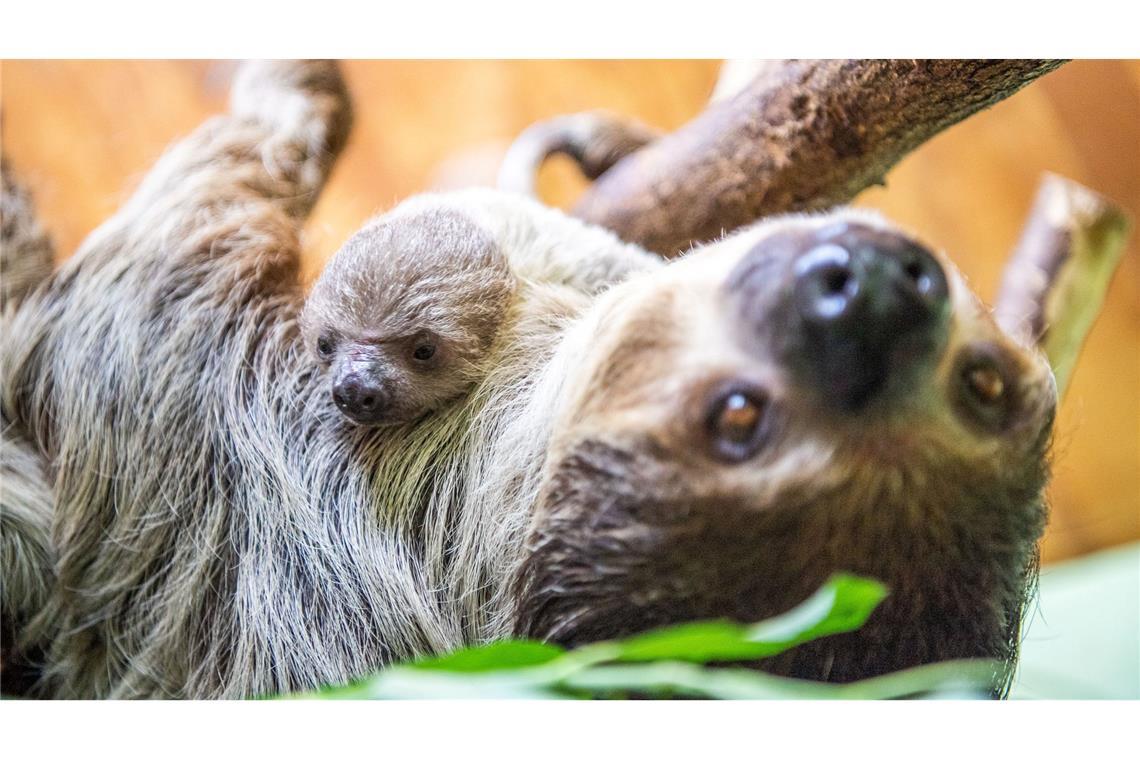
{"type": "Point", "coordinates": [1082, 640]}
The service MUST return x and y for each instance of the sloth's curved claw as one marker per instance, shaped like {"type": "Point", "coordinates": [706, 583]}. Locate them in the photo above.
{"type": "Point", "coordinates": [304, 107]}
{"type": "Point", "coordinates": [595, 140]}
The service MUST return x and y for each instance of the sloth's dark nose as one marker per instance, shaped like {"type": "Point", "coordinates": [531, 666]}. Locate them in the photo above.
{"type": "Point", "coordinates": [360, 398]}
{"type": "Point", "coordinates": [872, 304]}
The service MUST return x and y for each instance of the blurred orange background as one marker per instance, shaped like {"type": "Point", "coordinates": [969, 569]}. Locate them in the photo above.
{"type": "Point", "coordinates": [82, 133]}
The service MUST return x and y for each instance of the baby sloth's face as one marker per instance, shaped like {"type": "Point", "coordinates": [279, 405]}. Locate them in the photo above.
{"type": "Point", "coordinates": [812, 395]}
{"type": "Point", "coordinates": [404, 315]}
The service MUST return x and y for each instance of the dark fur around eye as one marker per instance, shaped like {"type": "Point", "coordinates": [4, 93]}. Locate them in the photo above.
{"type": "Point", "coordinates": [983, 390]}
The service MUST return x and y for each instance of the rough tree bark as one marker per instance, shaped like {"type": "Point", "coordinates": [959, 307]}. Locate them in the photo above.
{"type": "Point", "coordinates": [1056, 279]}
{"type": "Point", "coordinates": [801, 135]}
{"type": "Point", "coordinates": [783, 136]}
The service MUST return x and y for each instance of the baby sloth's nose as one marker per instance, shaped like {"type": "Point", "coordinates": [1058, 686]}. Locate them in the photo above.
{"type": "Point", "coordinates": [873, 305]}
{"type": "Point", "coordinates": [361, 399]}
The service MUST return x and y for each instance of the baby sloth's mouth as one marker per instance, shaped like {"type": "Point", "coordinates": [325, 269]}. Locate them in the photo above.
{"type": "Point", "coordinates": [361, 395]}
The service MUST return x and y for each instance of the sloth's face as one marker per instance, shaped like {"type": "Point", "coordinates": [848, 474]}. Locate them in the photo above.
{"type": "Point", "coordinates": [812, 395]}
{"type": "Point", "coordinates": [404, 314]}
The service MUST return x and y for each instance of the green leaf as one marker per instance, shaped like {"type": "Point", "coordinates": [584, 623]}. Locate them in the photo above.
{"type": "Point", "coordinates": [660, 663]}
{"type": "Point", "coordinates": [464, 678]}
{"type": "Point", "coordinates": [954, 679]}
{"type": "Point", "coordinates": [843, 604]}
{"type": "Point", "coordinates": [499, 655]}
{"type": "Point", "coordinates": [417, 683]}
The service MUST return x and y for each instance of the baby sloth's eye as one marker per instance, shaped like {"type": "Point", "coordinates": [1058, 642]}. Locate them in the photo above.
{"type": "Point", "coordinates": [423, 352]}
{"type": "Point", "coordinates": [324, 346]}
{"type": "Point", "coordinates": [736, 423]}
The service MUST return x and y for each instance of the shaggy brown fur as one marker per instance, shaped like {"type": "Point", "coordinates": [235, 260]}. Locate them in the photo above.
{"type": "Point", "coordinates": [25, 545]}
{"type": "Point", "coordinates": [27, 258]}
{"type": "Point", "coordinates": [217, 528]}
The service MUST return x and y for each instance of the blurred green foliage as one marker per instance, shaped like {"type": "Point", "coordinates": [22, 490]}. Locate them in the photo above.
{"type": "Point", "coordinates": [671, 662]}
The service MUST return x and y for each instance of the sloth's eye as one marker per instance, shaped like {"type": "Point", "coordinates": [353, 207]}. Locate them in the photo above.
{"type": "Point", "coordinates": [324, 346]}
{"type": "Point", "coordinates": [983, 394]}
{"type": "Point", "coordinates": [985, 383]}
{"type": "Point", "coordinates": [736, 423]}
{"type": "Point", "coordinates": [423, 352]}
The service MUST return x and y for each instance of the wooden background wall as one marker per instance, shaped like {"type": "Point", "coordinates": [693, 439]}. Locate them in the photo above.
{"type": "Point", "coordinates": [82, 133]}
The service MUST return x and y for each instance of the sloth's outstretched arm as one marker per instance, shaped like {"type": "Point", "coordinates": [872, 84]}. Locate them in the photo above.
{"type": "Point", "coordinates": [305, 113]}
{"type": "Point", "coordinates": [208, 195]}
{"type": "Point", "coordinates": [116, 372]}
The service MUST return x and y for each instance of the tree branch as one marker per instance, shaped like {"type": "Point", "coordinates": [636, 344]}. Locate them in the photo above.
{"type": "Point", "coordinates": [1056, 279]}
{"type": "Point", "coordinates": [803, 135]}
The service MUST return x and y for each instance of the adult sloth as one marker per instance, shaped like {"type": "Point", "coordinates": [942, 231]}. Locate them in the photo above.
{"type": "Point", "coordinates": [654, 442]}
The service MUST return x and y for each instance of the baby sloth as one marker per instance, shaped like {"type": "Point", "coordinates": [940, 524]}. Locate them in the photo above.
{"type": "Point", "coordinates": [405, 313]}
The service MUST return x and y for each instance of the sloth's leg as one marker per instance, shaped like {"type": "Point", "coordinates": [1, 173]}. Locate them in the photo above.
{"type": "Point", "coordinates": [250, 175]}
{"type": "Point", "coordinates": [186, 275]}
{"type": "Point", "coordinates": [26, 557]}
{"type": "Point", "coordinates": [304, 109]}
